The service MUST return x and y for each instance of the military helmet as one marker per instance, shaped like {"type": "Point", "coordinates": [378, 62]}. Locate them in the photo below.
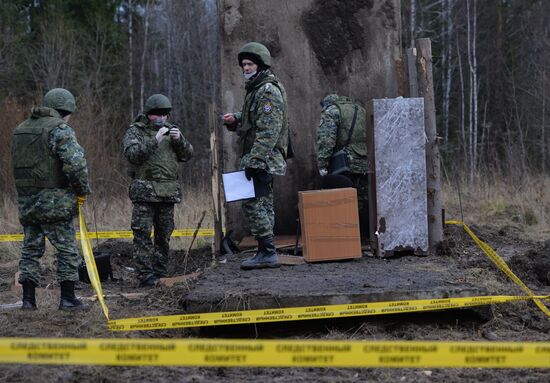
{"type": "Point", "coordinates": [60, 99]}
{"type": "Point", "coordinates": [157, 101]}
{"type": "Point", "coordinates": [257, 51]}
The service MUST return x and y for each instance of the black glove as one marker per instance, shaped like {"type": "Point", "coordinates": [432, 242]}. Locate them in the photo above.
{"type": "Point", "coordinates": [251, 172]}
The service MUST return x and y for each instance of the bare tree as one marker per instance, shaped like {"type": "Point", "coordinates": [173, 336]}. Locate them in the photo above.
{"type": "Point", "coordinates": [473, 94]}
{"type": "Point", "coordinates": [144, 54]}
{"type": "Point", "coordinates": [131, 55]}
{"type": "Point", "coordinates": [53, 58]}
{"type": "Point", "coordinates": [543, 122]}
{"type": "Point", "coordinates": [446, 62]}
{"type": "Point", "coordinates": [412, 23]}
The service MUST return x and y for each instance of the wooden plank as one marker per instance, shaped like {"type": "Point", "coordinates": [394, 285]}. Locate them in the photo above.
{"type": "Point", "coordinates": [433, 180]}
{"type": "Point", "coordinates": [290, 260]}
{"type": "Point", "coordinates": [217, 207]}
{"type": "Point", "coordinates": [412, 73]}
{"type": "Point", "coordinates": [280, 241]}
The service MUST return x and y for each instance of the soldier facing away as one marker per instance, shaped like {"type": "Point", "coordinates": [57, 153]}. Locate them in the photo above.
{"type": "Point", "coordinates": [154, 147]}
{"type": "Point", "coordinates": [343, 127]}
{"type": "Point", "coordinates": [262, 127]}
{"type": "Point", "coordinates": [51, 174]}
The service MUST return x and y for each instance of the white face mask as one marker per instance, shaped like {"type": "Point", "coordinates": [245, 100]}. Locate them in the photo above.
{"type": "Point", "coordinates": [248, 76]}
{"type": "Point", "coordinates": [160, 121]}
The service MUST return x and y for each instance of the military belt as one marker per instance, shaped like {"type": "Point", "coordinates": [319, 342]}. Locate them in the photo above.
{"type": "Point", "coordinates": [42, 184]}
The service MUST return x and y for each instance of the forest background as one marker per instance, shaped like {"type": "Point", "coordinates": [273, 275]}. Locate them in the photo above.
{"type": "Point", "coordinates": [491, 63]}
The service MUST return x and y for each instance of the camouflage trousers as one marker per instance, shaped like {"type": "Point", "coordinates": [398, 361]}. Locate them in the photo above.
{"type": "Point", "coordinates": [151, 255]}
{"type": "Point", "coordinates": [62, 236]}
{"type": "Point", "coordinates": [260, 215]}
{"type": "Point", "coordinates": [360, 181]}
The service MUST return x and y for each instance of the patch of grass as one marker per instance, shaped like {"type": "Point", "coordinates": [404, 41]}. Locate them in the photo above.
{"type": "Point", "coordinates": [501, 201]}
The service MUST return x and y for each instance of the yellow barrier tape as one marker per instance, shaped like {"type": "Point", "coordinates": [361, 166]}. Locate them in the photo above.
{"type": "Point", "coordinates": [305, 313]}
{"type": "Point", "coordinates": [501, 264]}
{"type": "Point", "coordinates": [90, 261]}
{"type": "Point", "coordinates": [273, 353]}
{"type": "Point", "coordinates": [117, 234]}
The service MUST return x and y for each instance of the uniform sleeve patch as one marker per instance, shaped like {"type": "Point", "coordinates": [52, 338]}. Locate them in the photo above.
{"type": "Point", "coordinates": [267, 108]}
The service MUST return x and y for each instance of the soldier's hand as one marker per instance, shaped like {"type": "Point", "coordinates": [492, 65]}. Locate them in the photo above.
{"type": "Point", "coordinates": [230, 121]}
{"type": "Point", "coordinates": [251, 172]}
{"type": "Point", "coordinates": [175, 133]}
{"type": "Point", "coordinates": [161, 134]}
{"type": "Point", "coordinates": [80, 200]}
{"type": "Point", "coordinates": [323, 172]}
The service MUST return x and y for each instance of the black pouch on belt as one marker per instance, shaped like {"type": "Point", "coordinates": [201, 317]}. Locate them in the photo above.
{"type": "Point", "coordinates": [338, 163]}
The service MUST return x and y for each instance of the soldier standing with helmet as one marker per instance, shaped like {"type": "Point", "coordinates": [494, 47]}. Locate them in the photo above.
{"type": "Point", "coordinates": [51, 177]}
{"type": "Point", "coordinates": [343, 127]}
{"type": "Point", "coordinates": [262, 127]}
{"type": "Point", "coordinates": [154, 147]}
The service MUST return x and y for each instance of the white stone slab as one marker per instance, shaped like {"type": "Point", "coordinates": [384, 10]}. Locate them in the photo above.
{"type": "Point", "coordinates": [400, 172]}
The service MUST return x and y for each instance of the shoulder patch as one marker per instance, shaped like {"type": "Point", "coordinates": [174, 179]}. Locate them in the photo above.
{"type": "Point", "coordinates": [267, 108]}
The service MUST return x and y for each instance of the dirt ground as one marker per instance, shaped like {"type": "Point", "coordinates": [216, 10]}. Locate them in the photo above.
{"type": "Point", "coordinates": [519, 321]}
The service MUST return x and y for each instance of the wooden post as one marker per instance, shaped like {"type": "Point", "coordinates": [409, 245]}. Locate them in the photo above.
{"type": "Point", "coordinates": [433, 180]}
{"type": "Point", "coordinates": [216, 190]}
{"type": "Point", "coordinates": [412, 73]}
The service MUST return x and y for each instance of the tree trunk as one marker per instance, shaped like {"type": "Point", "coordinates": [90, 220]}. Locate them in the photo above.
{"type": "Point", "coordinates": [447, 66]}
{"type": "Point", "coordinates": [131, 57]}
{"type": "Point", "coordinates": [144, 55]}
{"type": "Point", "coordinates": [462, 105]}
{"type": "Point", "coordinates": [412, 21]}
{"type": "Point", "coordinates": [543, 124]}
{"type": "Point", "coordinates": [474, 90]}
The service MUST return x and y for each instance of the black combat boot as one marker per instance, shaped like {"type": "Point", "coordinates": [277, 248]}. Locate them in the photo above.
{"type": "Point", "coordinates": [68, 300]}
{"type": "Point", "coordinates": [265, 257]}
{"type": "Point", "coordinates": [29, 300]}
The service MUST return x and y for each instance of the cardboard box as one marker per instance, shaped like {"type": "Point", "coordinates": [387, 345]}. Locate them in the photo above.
{"type": "Point", "coordinates": [330, 224]}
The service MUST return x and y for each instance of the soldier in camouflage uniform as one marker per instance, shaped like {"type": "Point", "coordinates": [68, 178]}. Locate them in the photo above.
{"type": "Point", "coordinates": [50, 174]}
{"type": "Point", "coordinates": [154, 147]}
{"type": "Point", "coordinates": [262, 127]}
{"type": "Point", "coordinates": [333, 135]}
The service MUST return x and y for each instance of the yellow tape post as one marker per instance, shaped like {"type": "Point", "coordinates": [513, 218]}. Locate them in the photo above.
{"type": "Point", "coordinates": [117, 234]}
{"type": "Point", "coordinates": [273, 353]}
{"type": "Point", "coordinates": [304, 313]}
{"type": "Point", "coordinates": [502, 266]}
{"type": "Point", "coordinates": [90, 261]}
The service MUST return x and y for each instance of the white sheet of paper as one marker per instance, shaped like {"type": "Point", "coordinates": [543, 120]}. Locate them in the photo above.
{"type": "Point", "coordinates": [237, 187]}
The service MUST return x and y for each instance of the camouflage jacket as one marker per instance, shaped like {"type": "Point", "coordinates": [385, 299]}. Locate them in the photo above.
{"type": "Point", "coordinates": [327, 137]}
{"type": "Point", "coordinates": [263, 125]}
{"type": "Point", "coordinates": [51, 205]}
{"type": "Point", "coordinates": [153, 166]}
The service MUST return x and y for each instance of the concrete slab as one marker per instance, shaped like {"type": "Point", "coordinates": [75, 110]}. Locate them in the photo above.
{"type": "Point", "coordinates": [368, 279]}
